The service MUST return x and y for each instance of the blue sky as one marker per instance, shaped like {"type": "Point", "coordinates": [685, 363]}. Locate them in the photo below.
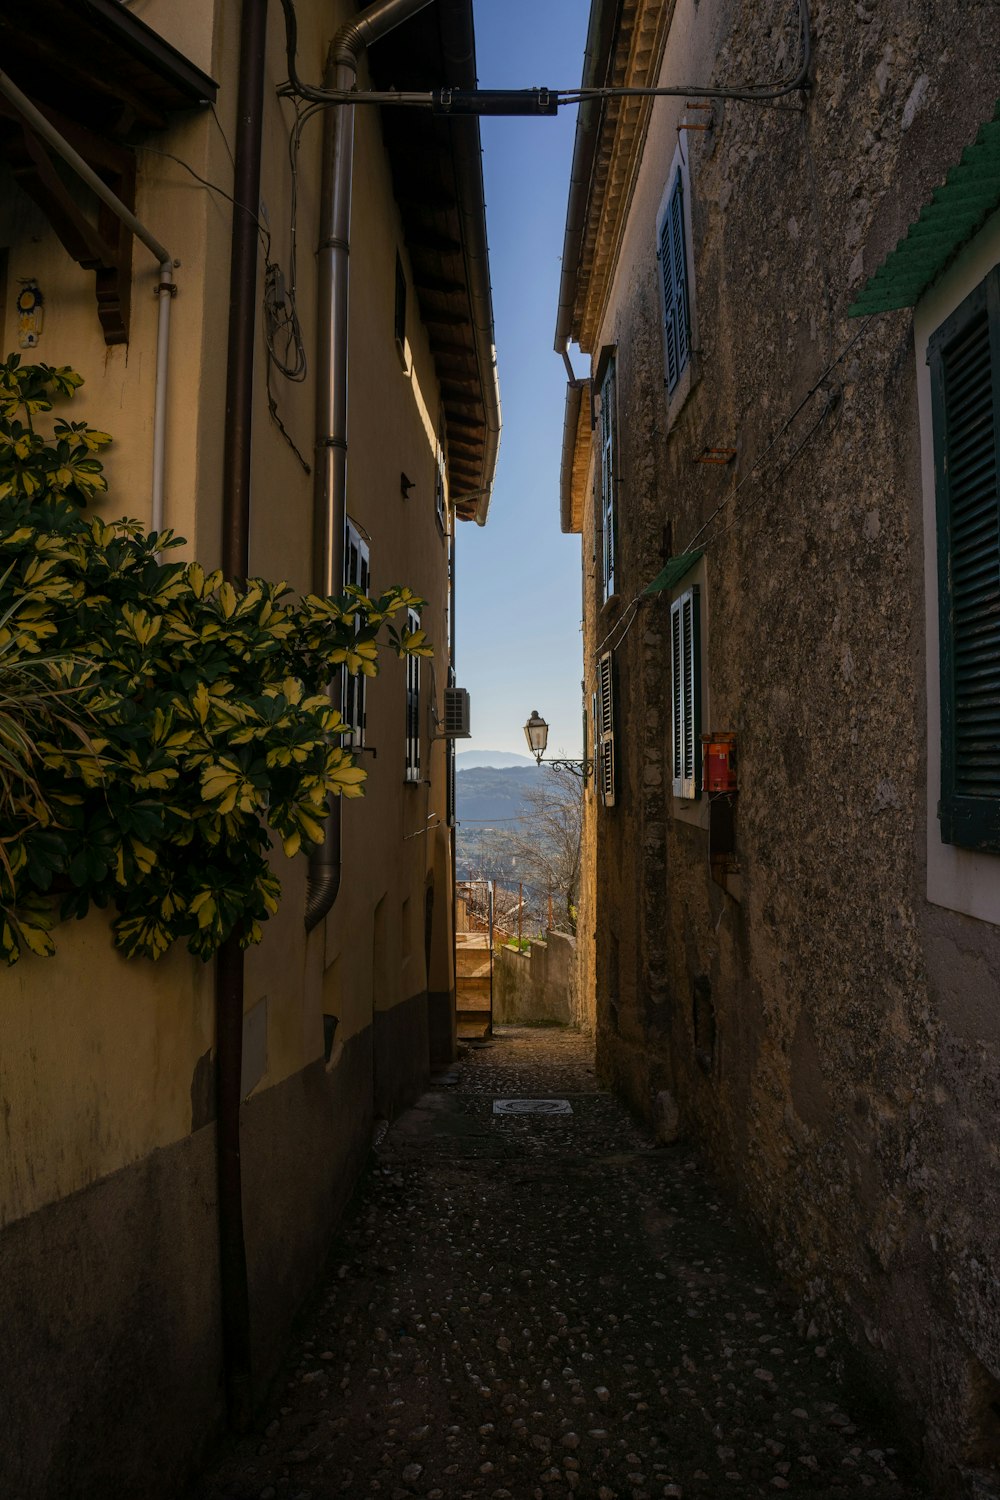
{"type": "Point", "coordinates": [518, 584]}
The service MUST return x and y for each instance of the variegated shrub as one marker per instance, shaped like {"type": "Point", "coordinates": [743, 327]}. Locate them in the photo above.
{"type": "Point", "coordinates": [157, 723]}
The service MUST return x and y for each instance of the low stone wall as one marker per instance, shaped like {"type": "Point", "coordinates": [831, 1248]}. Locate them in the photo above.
{"type": "Point", "coordinates": [540, 985]}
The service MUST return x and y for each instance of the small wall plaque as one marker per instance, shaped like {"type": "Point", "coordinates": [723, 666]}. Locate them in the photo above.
{"type": "Point", "coordinates": [30, 314]}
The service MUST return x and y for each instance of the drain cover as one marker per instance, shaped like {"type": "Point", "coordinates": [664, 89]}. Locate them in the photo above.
{"type": "Point", "coordinates": [532, 1107]}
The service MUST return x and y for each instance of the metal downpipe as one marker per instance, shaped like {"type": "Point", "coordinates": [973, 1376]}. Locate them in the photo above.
{"type": "Point", "coordinates": [229, 961]}
{"type": "Point", "coordinates": [330, 468]}
{"type": "Point", "coordinates": [333, 307]}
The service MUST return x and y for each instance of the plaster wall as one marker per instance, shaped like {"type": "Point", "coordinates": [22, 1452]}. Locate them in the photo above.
{"type": "Point", "coordinates": [540, 985]}
{"type": "Point", "coordinates": [105, 1065]}
{"type": "Point", "coordinates": [829, 1032]}
{"type": "Point", "coordinates": [394, 418]}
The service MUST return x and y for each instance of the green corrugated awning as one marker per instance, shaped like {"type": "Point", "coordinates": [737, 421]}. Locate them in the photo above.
{"type": "Point", "coordinates": [969, 194]}
{"type": "Point", "coordinates": [673, 572]}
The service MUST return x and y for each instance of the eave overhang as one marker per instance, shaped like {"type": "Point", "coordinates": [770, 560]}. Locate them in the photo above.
{"type": "Point", "coordinates": [102, 78]}
{"type": "Point", "coordinates": [625, 46]}
{"type": "Point", "coordinates": [436, 165]}
{"type": "Point", "coordinates": [576, 454]}
{"type": "Point", "coordinates": [957, 210]}
{"type": "Point", "coordinates": [98, 64]}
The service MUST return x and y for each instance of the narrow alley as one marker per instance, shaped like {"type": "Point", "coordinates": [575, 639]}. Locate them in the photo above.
{"type": "Point", "coordinates": [526, 1306]}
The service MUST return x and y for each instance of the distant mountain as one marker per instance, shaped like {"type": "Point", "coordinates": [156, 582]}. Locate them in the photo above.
{"type": "Point", "coordinates": [485, 792]}
{"type": "Point", "coordinates": [467, 760]}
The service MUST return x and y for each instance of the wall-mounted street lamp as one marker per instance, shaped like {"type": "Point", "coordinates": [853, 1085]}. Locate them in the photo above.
{"type": "Point", "coordinates": [536, 732]}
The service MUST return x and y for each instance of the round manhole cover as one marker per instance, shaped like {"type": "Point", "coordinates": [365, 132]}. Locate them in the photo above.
{"type": "Point", "coordinates": [532, 1107]}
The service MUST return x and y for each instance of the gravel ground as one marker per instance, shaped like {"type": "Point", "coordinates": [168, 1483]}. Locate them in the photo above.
{"type": "Point", "coordinates": [533, 1307]}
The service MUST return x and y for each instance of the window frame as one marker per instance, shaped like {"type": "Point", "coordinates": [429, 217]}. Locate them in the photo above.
{"type": "Point", "coordinates": [605, 757]}
{"type": "Point", "coordinates": [412, 708]}
{"type": "Point", "coordinates": [678, 189]}
{"type": "Point", "coordinates": [440, 507]}
{"type": "Point", "coordinates": [966, 821]}
{"type": "Point", "coordinates": [399, 315]}
{"type": "Point", "coordinates": [354, 694]}
{"type": "Point", "coordinates": [685, 666]}
{"type": "Point", "coordinates": [606, 381]}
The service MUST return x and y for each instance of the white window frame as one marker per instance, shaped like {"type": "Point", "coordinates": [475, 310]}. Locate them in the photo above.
{"type": "Point", "coordinates": [958, 879]}
{"type": "Point", "coordinates": [607, 473]}
{"type": "Point", "coordinates": [357, 570]}
{"type": "Point", "coordinates": [412, 753]}
{"type": "Point", "coordinates": [685, 694]}
{"type": "Point", "coordinates": [605, 767]}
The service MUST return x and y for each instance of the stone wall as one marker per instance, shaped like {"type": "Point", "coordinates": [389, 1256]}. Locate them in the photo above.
{"type": "Point", "coordinates": [832, 1037]}
{"type": "Point", "coordinates": [540, 985]}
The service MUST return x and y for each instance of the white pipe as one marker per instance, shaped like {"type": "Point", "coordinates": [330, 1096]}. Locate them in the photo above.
{"type": "Point", "coordinates": [165, 289]}
{"type": "Point", "coordinates": [165, 296]}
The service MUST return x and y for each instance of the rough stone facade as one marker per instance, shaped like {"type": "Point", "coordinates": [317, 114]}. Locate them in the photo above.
{"type": "Point", "coordinates": [830, 1034]}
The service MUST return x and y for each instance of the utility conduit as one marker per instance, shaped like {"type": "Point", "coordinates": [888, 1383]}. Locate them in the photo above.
{"type": "Point", "coordinates": [333, 304]}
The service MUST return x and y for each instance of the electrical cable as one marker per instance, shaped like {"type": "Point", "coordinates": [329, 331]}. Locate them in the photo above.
{"type": "Point", "coordinates": [225, 138]}
{"type": "Point", "coordinates": [540, 101]}
{"type": "Point", "coordinates": [262, 229]}
{"type": "Point", "coordinates": [629, 617]}
{"type": "Point", "coordinates": [816, 386]}
{"type": "Point", "coordinates": [282, 331]}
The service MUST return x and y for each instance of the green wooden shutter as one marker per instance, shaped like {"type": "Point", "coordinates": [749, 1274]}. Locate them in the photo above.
{"type": "Point", "coordinates": [673, 277]}
{"type": "Point", "coordinates": [609, 467]}
{"type": "Point", "coordinates": [964, 358]}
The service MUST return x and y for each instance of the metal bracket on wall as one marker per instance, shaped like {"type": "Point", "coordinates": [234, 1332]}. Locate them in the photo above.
{"type": "Point", "coordinates": [104, 247]}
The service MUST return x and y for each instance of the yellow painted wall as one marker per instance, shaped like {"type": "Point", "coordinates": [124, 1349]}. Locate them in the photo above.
{"type": "Point", "coordinates": [97, 1060]}
{"type": "Point", "coordinates": [99, 1054]}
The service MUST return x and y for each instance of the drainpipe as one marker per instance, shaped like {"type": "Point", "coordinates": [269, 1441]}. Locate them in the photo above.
{"type": "Point", "coordinates": [165, 289]}
{"type": "Point", "coordinates": [333, 305]}
{"type": "Point", "coordinates": [229, 961]}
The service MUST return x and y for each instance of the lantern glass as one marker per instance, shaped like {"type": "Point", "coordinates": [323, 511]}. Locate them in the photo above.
{"type": "Point", "coordinates": [536, 732]}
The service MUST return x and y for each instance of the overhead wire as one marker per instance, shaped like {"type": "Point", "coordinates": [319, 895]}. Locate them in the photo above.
{"type": "Point", "coordinates": [283, 339]}
{"type": "Point", "coordinates": [618, 632]}
{"type": "Point", "coordinates": [542, 101]}
{"type": "Point", "coordinates": [445, 100]}
{"type": "Point", "coordinates": [758, 461]}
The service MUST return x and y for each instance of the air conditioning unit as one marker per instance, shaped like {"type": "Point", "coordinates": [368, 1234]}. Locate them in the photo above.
{"type": "Point", "coordinates": [457, 714]}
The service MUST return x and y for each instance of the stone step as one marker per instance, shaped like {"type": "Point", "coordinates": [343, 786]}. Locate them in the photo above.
{"type": "Point", "coordinates": [473, 992]}
{"type": "Point", "coordinates": [473, 965]}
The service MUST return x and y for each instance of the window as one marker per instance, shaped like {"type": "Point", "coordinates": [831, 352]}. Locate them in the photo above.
{"type": "Point", "coordinates": [412, 705]}
{"type": "Point", "coordinates": [439, 506]}
{"type": "Point", "coordinates": [609, 475]}
{"type": "Point", "coordinates": [685, 690]}
{"type": "Point", "coordinates": [605, 759]}
{"type": "Point", "coordinates": [964, 359]}
{"type": "Point", "coordinates": [672, 255]}
{"type": "Point", "coordinates": [399, 315]}
{"type": "Point", "coordinates": [356, 572]}
{"type": "Point", "coordinates": [451, 787]}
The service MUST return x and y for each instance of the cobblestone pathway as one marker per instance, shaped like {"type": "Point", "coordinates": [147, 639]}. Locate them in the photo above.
{"type": "Point", "coordinates": [532, 1307]}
